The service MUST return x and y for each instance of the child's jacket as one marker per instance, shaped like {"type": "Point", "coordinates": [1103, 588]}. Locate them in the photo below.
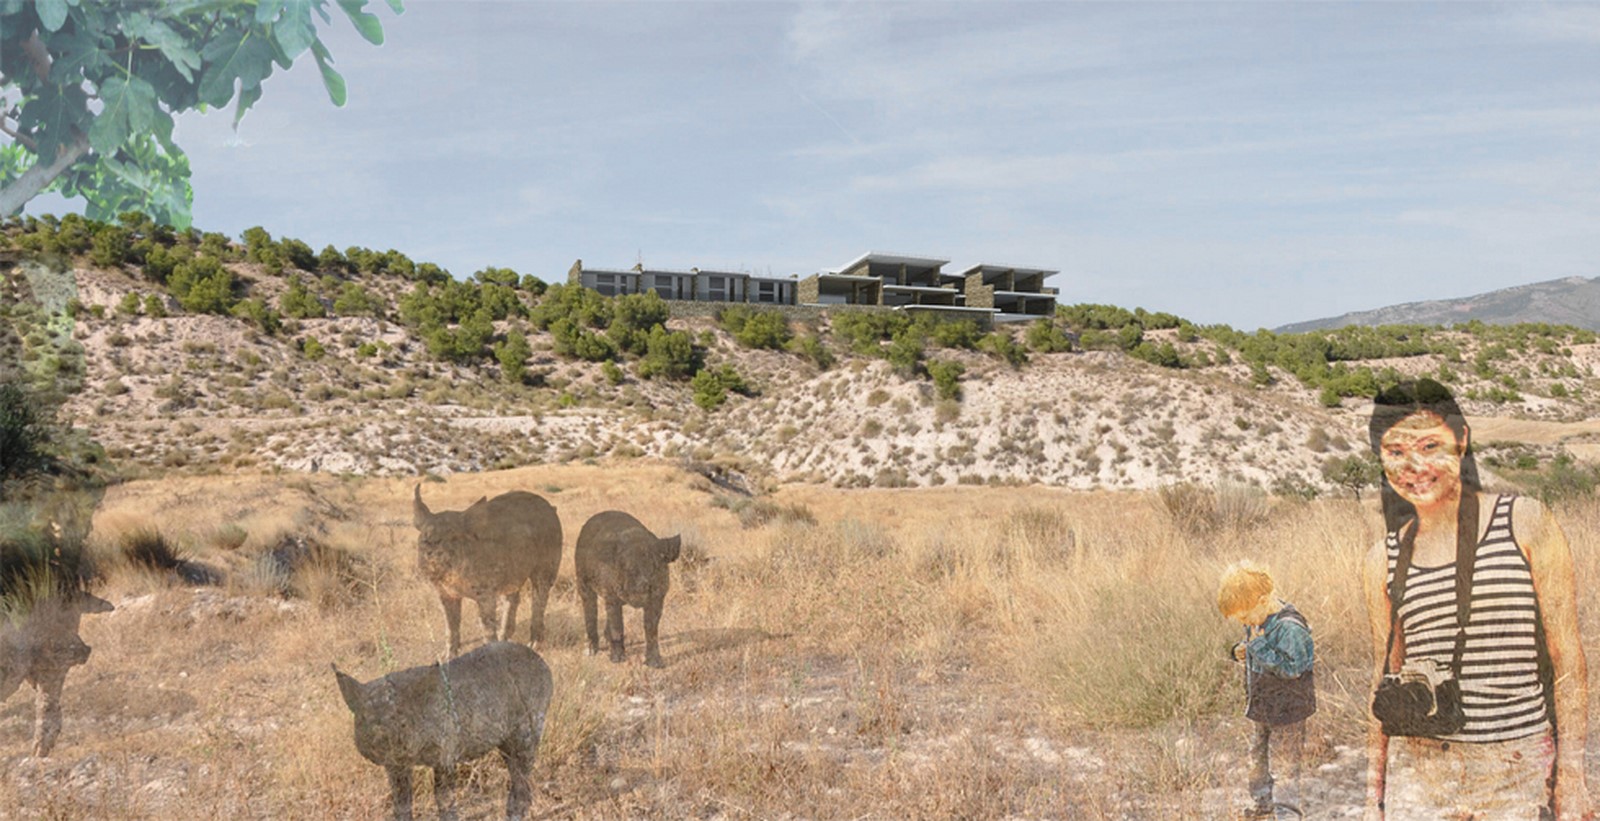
{"type": "Point", "coordinates": [1278, 670]}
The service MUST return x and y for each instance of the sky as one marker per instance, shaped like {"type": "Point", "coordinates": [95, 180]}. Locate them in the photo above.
{"type": "Point", "coordinates": [1251, 164]}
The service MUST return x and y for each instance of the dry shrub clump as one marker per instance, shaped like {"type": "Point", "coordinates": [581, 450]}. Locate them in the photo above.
{"type": "Point", "coordinates": [310, 569]}
{"type": "Point", "coordinates": [1201, 511]}
{"type": "Point", "coordinates": [760, 512]}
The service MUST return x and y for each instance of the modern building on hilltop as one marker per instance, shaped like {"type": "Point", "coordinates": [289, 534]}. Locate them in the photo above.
{"type": "Point", "coordinates": [986, 292]}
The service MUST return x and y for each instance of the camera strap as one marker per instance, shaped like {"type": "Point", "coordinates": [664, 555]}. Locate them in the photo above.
{"type": "Point", "coordinates": [1466, 560]}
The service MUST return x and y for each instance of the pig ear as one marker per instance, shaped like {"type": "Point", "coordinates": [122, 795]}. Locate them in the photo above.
{"type": "Point", "coordinates": [350, 689]}
{"type": "Point", "coordinates": [94, 604]}
{"type": "Point", "coordinates": [669, 548]}
{"type": "Point", "coordinates": [419, 511]}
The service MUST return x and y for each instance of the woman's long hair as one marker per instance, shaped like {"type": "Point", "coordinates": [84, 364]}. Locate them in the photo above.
{"type": "Point", "coordinates": [1396, 403]}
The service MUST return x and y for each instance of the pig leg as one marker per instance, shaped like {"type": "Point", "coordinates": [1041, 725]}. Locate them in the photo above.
{"type": "Point", "coordinates": [509, 621]}
{"type": "Point", "coordinates": [400, 791]}
{"type": "Point", "coordinates": [540, 598]}
{"type": "Point", "coordinates": [444, 792]}
{"type": "Point", "coordinates": [614, 627]}
{"type": "Point", "coordinates": [518, 754]}
{"type": "Point", "coordinates": [47, 718]}
{"type": "Point", "coordinates": [591, 617]}
{"type": "Point", "coordinates": [452, 621]}
{"type": "Point", "coordinates": [489, 614]}
{"type": "Point", "coordinates": [652, 624]}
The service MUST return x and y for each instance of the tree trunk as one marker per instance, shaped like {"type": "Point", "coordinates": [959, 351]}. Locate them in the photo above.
{"type": "Point", "coordinates": [35, 179]}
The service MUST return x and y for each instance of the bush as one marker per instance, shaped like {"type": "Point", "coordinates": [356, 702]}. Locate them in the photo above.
{"type": "Point", "coordinates": [711, 386]}
{"type": "Point", "coordinates": [756, 329]}
{"type": "Point", "coordinates": [811, 347]}
{"type": "Point", "coordinates": [355, 300]}
{"type": "Point", "coordinates": [299, 303]}
{"type": "Point", "coordinates": [1044, 337]}
{"type": "Point", "coordinates": [512, 354]}
{"type": "Point", "coordinates": [905, 352]}
{"type": "Point", "coordinates": [1002, 345]}
{"type": "Point", "coordinates": [203, 286]}
{"type": "Point", "coordinates": [669, 354]}
{"type": "Point", "coordinates": [1353, 472]}
{"type": "Point", "coordinates": [946, 378]}
{"type": "Point", "coordinates": [1200, 511]}
{"type": "Point", "coordinates": [23, 435]}
{"type": "Point", "coordinates": [312, 349]}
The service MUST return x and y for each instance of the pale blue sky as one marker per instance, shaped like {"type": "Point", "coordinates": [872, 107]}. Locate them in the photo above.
{"type": "Point", "coordinates": [1254, 164]}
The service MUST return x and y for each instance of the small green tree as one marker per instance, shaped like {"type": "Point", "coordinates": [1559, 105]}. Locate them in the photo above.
{"type": "Point", "coordinates": [712, 385]}
{"type": "Point", "coordinates": [1354, 472]}
{"type": "Point", "coordinates": [513, 354]}
{"type": "Point", "coordinates": [1044, 337]}
{"type": "Point", "coordinates": [298, 302]}
{"type": "Point", "coordinates": [129, 304]}
{"type": "Point", "coordinates": [669, 354]}
{"type": "Point", "coordinates": [1000, 343]}
{"type": "Point", "coordinates": [947, 378]}
{"type": "Point", "coordinates": [155, 307]}
{"type": "Point", "coordinates": [23, 435]}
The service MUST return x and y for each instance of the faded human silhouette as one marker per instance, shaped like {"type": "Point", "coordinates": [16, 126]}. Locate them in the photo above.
{"type": "Point", "coordinates": [619, 560]}
{"type": "Point", "coordinates": [1481, 688]}
{"type": "Point", "coordinates": [43, 597]}
{"type": "Point", "coordinates": [492, 698]}
{"type": "Point", "coordinates": [489, 551]}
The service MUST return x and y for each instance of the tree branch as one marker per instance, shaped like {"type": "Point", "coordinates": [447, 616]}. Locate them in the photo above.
{"type": "Point", "coordinates": [18, 136]}
{"type": "Point", "coordinates": [40, 175]}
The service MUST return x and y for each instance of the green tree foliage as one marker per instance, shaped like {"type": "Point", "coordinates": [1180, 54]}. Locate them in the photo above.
{"type": "Point", "coordinates": [905, 351]}
{"type": "Point", "coordinates": [865, 331]}
{"type": "Point", "coordinates": [580, 306]}
{"type": "Point", "coordinates": [613, 373]}
{"type": "Point", "coordinates": [1044, 337]}
{"type": "Point", "coordinates": [155, 307]}
{"type": "Point", "coordinates": [951, 333]}
{"type": "Point", "coordinates": [312, 349]}
{"type": "Point", "coordinates": [574, 340]}
{"type": "Point", "coordinates": [129, 304]}
{"type": "Point", "coordinates": [203, 286]}
{"type": "Point", "coordinates": [1165, 354]}
{"type": "Point", "coordinates": [110, 246]}
{"type": "Point", "coordinates": [1000, 343]}
{"type": "Point", "coordinates": [947, 378]}
{"type": "Point", "coordinates": [669, 354]}
{"type": "Point", "coordinates": [256, 310]}
{"type": "Point", "coordinates": [712, 385]}
{"type": "Point", "coordinates": [298, 302]}
{"type": "Point", "coordinates": [1353, 472]}
{"type": "Point", "coordinates": [764, 329]}
{"type": "Point", "coordinates": [94, 87]}
{"type": "Point", "coordinates": [330, 260]}
{"type": "Point", "coordinates": [355, 300]}
{"type": "Point", "coordinates": [812, 348]}
{"type": "Point", "coordinates": [23, 435]}
{"type": "Point", "coordinates": [513, 354]}
{"type": "Point", "coordinates": [633, 318]}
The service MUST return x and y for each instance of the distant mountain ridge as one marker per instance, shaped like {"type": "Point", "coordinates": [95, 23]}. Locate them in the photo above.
{"type": "Point", "coordinates": [1568, 301]}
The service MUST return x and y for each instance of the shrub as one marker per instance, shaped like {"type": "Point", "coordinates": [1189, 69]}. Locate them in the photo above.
{"type": "Point", "coordinates": [1000, 343]}
{"type": "Point", "coordinates": [1201, 511]}
{"type": "Point", "coordinates": [711, 386]}
{"type": "Point", "coordinates": [1044, 337]}
{"type": "Point", "coordinates": [256, 310]}
{"type": "Point", "coordinates": [756, 329]}
{"type": "Point", "coordinates": [1354, 472]}
{"type": "Point", "coordinates": [355, 300]}
{"type": "Point", "coordinates": [947, 378]}
{"type": "Point", "coordinates": [312, 349]}
{"type": "Point", "coordinates": [155, 307]}
{"type": "Point", "coordinates": [612, 373]}
{"type": "Point", "coordinates": [23, 435]}
{"type": "Point", "coordinates": [299, 303]}
{"type": "Point", "coordinates": [905, 352]}
{"type": "Point", "coordinates": [203, 286]}
{"type": "Point", "coordinates": [512, 354]}
{"type": "Point", "coordinates": [811, 347]}
{"type": "Point", "coordinates": [670, 354]}
{"type": "Point", "coordinates": [129, 304]}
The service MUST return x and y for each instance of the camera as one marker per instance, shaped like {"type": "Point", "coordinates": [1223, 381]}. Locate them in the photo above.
{"type": "Point", "coordinates": [1422, 699]}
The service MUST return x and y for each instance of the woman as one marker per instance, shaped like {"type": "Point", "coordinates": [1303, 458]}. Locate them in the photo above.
{"type": "Point", "coordinates": [1524, 686]}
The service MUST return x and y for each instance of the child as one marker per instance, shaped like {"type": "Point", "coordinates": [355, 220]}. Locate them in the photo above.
{"type": "Point", "coordinates": [1278, 656]}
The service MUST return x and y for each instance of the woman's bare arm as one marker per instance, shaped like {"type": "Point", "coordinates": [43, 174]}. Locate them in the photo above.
{"type": "Point", "coordinates": [1554, 580]}
{"type": "Point", "coordinates": [1374, 580]}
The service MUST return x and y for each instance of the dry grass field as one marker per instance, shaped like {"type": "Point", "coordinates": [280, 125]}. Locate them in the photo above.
{"type": "Point", "coordinates": [955, 652]}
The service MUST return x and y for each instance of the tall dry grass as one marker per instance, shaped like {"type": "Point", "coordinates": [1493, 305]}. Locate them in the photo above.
{"type": "Point", "coordinates": [942, 653]}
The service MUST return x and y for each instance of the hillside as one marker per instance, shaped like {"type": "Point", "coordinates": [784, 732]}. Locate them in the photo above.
{"type": "Point", "coordinates": [1571, 301]}
{"type": "Point", "coordinates": [1098, 398]}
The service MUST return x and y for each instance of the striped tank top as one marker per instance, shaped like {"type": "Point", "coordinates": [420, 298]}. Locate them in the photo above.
{"type": "Point", "coordinates": [1501, 693]}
